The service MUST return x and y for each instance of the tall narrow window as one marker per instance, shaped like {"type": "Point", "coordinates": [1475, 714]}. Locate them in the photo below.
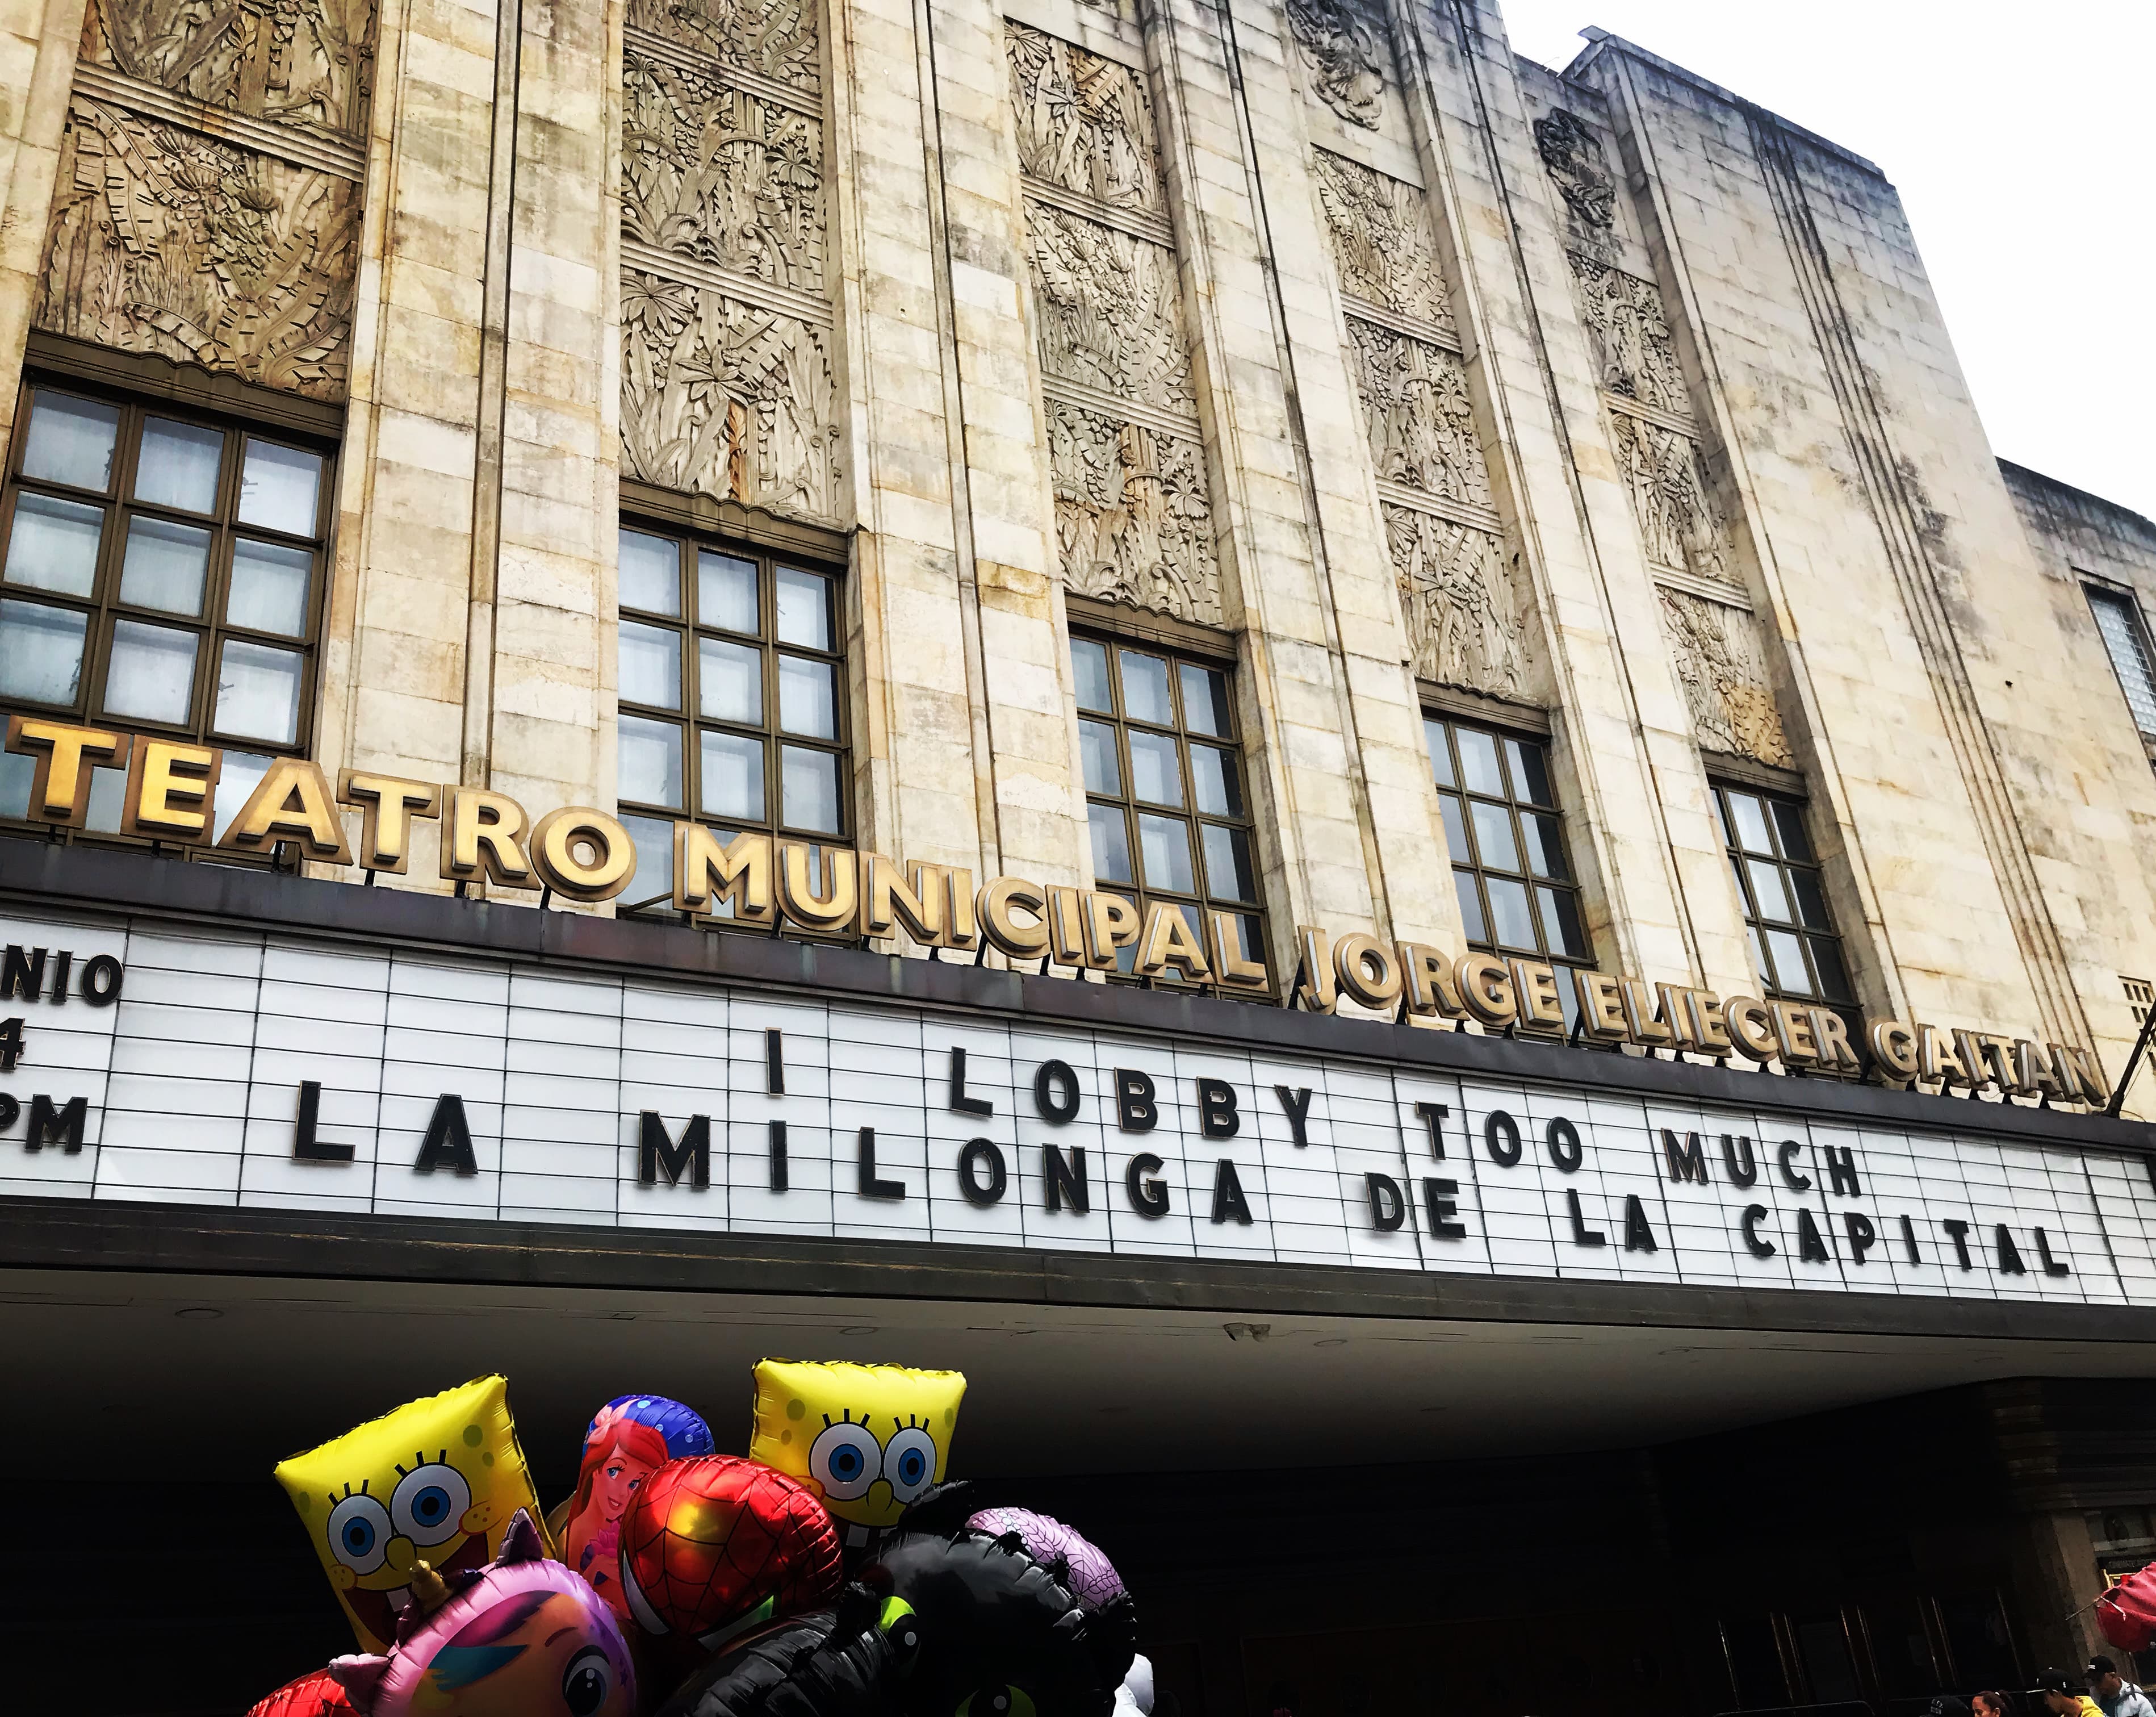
{"type": "Point", "coordinates": [733, 698]}
{"type": "Point", "coordinates": [2126, 641]}
{"type": "Point", "coordinates": [1165, 792]}
{"type": "Point", "coordinates": [1518, 893]}
{"type": "Point", "coordinates": [1793, 944]}
{"type": "Point", "coordinates": [163, 574]}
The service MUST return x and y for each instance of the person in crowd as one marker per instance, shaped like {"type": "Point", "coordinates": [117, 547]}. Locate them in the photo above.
{"type": "Point", "coordinates": [2114, 1693]}
{"type": "Point", "coordinates": [1992, 1703]}
{"type": "Point", "coordinates": [2061, 1697]}
{"type": "Point", "coordinates": [1946, 1705]}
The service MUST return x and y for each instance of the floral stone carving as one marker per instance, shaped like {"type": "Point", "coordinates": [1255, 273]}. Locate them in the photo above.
{"type": "Point", "coordinates": [1680, 525]}
{"type": "Point", "coordinates": [1084, 123]}
{"type": "Point", "coordinates": [1109, 310]}
{"type": "Point", "coordinates": [1342, 49]}
{"type": "Point", "coordinates": [722, 175]}
{"type": "Point", "coordinates": [163, 240]}
{"type": "Point", "coordinates": [1573, 156]}
{"type": "Point", "coordinates": [1382, 246]}
{"type": "Point", "coordinates": [1631, 336]}
{"type": "Point", "coordinates": [774, 38]}
{"type": "Point", "coordinates": [1464, 616]}
{"type": "Point", "coordinates": [1718, 660]}
{"type": "Point", "coordinates": [724, 397]}
{"type": "Point", "coordinates": [295, 62]}
{"type": "Point", "coordinates": [1416, 408]}
{"type": "Point", "coordinates": [1133, 518]}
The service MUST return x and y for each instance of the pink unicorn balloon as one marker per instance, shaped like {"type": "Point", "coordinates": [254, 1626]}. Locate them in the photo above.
{"type": "Point", "coordinates": [524, 1637]}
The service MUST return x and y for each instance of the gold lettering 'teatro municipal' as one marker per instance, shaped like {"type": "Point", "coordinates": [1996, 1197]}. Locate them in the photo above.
{"type": "Point", "coordinates": [585, 854]}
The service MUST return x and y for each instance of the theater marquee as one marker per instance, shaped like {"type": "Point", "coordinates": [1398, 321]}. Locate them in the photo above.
{"type": "Point", "coordinates": [145, 1060]}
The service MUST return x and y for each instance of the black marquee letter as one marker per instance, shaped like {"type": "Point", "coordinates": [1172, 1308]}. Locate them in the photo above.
{"type": "Point", "coordinates": [1639, 1236]}
{"type": "Point", "coordinates": [655, 1151]}
{"type": "Point", "coordinates": [1688, 1161]}
{"type": "Point", "coordinates": [1749, 1174]}
{"type": "Point", "coordinates": [1217, 1116]}
{"type": "Point", "coordinates": [776, 1151]}
{"type": "Point", "coordinates": [100, 981]}
{"type": "Point", "coordinates": [1135, 1112]}
{"type": "Point", "coordinates": [10, 1111]}
{"type": "Point", "coordinates": [2052, 1267]}
{"type": "Point", "coordinates": [1841, 1170]}
{"type": "Point", "coordinates": [1862, 1236]}
{"type": "Point", "coordinates": [22, 974]}
{"type": "Point", "coordinates": [1227, 1199]}
{"type": "Point", "coordinates": [1581, 1234]}
{"type": "Point", "coordinates": [979, 1155]}
{"type": "Point", "coordinates": [1433, 1115]}
{"type": "Point", "coordinates": [448, 1144]}
{"type": "Point", "coordinates": [1050, 1076]}
{"type": "Point", "coordinates": [1753, 1215]}
{"type": "Point", "coordinates": [305, 1146]}
{"type": "Point", "coordinates": [63, 1126]}
{"type": "Point", "coordinates": [1501, 1137]}
{"type": "Point", "coordinates": [1389, 1210]}
{"type": "Point", "coordinates": [960, 1102]}
{"type": "Point", "coordinates": [865, 1171]}
{"type": "Point", "coordinates": [1063, 1179]}
{"type": "Point", "coordinates": [1441, 1200]}
{"type": "Point", "coordinates": [1562, 1139]}
{"type": "Point", "coordinates": [1147, 1192]}
{"type": "Point", "coordinates": [1787, 1150]}
{"type": "Point", "coordinates": [1294, 1103]}
{"type": "Point", "coordinates": [1811, 1248]}
{"type": "Point", "coordinates": [1909, 1240]}
{"type": "Point", "coordinates": [2010, 1255]}
{"type": "Point", "coordinates": [1958, 1231]}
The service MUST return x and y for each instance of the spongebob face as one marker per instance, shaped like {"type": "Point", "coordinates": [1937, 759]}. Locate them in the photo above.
{"type": "Point", "coordinates": [436, 1481]}
{"type": "Point", "coordinates": [867, 1439]}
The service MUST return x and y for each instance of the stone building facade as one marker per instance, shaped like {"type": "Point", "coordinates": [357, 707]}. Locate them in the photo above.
{"type": "Point", "coordinates": [1292, 462]}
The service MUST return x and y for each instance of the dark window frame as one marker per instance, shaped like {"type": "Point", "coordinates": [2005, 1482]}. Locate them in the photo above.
{"type": "Point", "coordinates": [1200, 901]}
{"type": "Point", "coordinates": [689, 626]}
{"type": "Point", "coordinates": [1509, 744]}
{"type": "Point", "coordinates": [211, 628]}
{"type": "Point", "coordinates": [1781, 812]}
{"type": "Point", "coordinates": [2127, 603]}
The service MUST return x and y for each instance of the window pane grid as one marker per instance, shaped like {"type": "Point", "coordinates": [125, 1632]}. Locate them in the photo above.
{"type": "Point", "coordinates": [732, 690]}
{"type": "Point", "coordinates": [163, 573]}
{"type": "Point", "coordinates": [2119, 622]}
{"type": "Point", "coordinates": [1779, 885]}
{"type": "Point", "coordinates": [1166, 801]}
{"type": "Point", "coordinates": [1510, 867]}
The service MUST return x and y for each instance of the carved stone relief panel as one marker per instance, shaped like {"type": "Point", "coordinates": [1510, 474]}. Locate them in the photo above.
{"type": "Point", "coordinates": [1631, 335]}
{"type": "Point", "coordinates": [1724, 673]}
{"type": "Point", "coordinates": [722, 175]}
{"type": "Point", "coordinates": [1133, 516]}
{"type": "Point", "coordinates": [1383, 245]}
{"type": "Point", "coordinates": [1084, 123]}
{"type": "Point", "coordinates": [724, 397]}
{"type": "Point", "coordinates": [1679, 523]}
{"type": "Point", "coordinates": [1109, 307]}
{"type": "Point", "coordinates": [775, 38]}
{"type": "Point", "coordinates": [166, 241]}
{"type": "Point", "coordinates": [1574, 159]}
{"type": "Point", "coordinates": [1464, 613]}
{"type": "Point", "coordinates": [1344, 52]}
{"type": "Point", "coordinates": [294, 62]}
{"type": "Point", "coordinates": [1416, 408]}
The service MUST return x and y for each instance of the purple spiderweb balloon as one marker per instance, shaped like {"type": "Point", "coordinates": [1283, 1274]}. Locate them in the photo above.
{"type": "Point", "coordinates": [1092, 1580]}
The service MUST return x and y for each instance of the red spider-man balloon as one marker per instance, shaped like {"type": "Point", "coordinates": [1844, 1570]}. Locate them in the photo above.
{"type": "Point", "coordinates": [715, 1544]}
{"type": "Point", "coordinates": [314, 1695]}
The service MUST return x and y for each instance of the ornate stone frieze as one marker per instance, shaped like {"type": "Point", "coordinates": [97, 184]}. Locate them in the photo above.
{"type": "Point", "coordinates": [1109, 309]}
{"type": "Point", "coordinates": [1382, 242]}
{"type": "Point", "coordinates": [724, 398]}
{"type": "Point", "coordinates": [1343, 51]}
{"type": "Point", "coordinates": [293, 62]}
{"type": "Point", "coordinates": [1133, 516]}
{"type": "Point", "coordinates": [1416, 409]}
{"type": "Point", "coordinates": [1574, 157]}
{"type": "Point", "coordinates": [1724, 673]}
{"type": "Point", "coordinates": [1084, 123]}
{"type": "Point", "coordinates": [1679, 523]}
{"type": "Point", "coordinates": [721, 174]}
{"type": "Point", "coordinates": [1463, 615]}
{"type": "Point", "coordinates": [167, 241]}
{"type": "Point", "coordinates": [776, 39]}
{"type": "Point", "coordinates": [1630, 334]}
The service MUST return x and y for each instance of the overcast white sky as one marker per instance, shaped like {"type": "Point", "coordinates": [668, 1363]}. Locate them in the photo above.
{"type": "Point", "coordinates": [2020, 138]}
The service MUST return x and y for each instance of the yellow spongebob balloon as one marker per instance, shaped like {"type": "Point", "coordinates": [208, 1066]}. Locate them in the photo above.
{"type": "Point", "coordinates": [436, 1481]}
{"type": "Point", "coordinates": [868, 1439]}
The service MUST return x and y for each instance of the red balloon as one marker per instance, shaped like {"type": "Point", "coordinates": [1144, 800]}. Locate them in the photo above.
{"type": "Point", "coordinates": [716, 1543]}
{"type": "Point", "coordinates": [2126, 1613]}
{"type": "Point", "coordinates": [314, 1695]}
